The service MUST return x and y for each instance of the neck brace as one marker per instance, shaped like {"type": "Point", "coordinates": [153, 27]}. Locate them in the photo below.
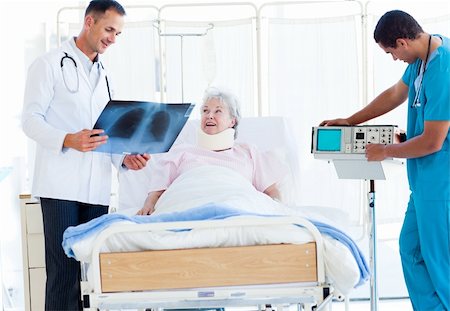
{"type": "Point", "coordinates": [216, 142]}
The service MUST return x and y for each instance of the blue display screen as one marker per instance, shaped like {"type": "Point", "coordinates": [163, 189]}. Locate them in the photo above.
{"type": "Point", "coordinates": [329, 139]}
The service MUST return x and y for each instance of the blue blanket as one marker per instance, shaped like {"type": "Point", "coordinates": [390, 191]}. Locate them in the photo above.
{"type": "Point", "coordinates": [205, 212]}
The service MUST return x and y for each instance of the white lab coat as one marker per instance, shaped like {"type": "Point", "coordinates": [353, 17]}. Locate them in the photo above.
{"type": "Point", "coordinates": [50, 112]}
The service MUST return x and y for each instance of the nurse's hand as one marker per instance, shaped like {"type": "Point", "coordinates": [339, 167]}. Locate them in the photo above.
{"type": "Point", "coordinates": [376, 152]}
{"type": "Point", "coordinates": [85, 140]}
{"type": "Point", "coordinates": [136, 161]}
{"type": "Point", "coordinates": [334, 122]}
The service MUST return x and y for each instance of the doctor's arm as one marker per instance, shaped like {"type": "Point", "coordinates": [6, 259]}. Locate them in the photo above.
{"type": "Point", "coordinates": [430, 141]}
{"type": "Point", "coordinates": [383, 103]}
{"type": "Point", "coordinates": [37, 97]}
{"type": "Point", "coordinates": [85, 140]}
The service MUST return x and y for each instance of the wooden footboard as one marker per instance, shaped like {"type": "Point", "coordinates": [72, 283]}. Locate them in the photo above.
{"type": "Point", "coordinates": [208, 267]}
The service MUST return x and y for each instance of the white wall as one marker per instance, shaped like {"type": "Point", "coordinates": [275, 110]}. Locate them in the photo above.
{"type": "Point", "coordinates": [309, 73]}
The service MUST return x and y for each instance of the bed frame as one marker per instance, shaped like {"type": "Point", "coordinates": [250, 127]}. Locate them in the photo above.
{"type": "Point", "coordinates": [257, 275]}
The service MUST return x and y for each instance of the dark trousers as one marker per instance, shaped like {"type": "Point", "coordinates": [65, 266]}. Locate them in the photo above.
{"type": "Point", "coordinates": [62, 291]}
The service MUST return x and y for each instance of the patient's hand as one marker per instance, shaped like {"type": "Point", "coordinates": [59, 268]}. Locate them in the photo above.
{"type": "Point", "coordinates": [273, 192]}
{"type": "Point", "coordinates": [146, 210]}
{"type": "Point", "coordinates": [150, 202]}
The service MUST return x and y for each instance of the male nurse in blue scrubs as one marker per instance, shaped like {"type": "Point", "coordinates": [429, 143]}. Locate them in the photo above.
{"type": "Point", "coordinates": [425, 235]}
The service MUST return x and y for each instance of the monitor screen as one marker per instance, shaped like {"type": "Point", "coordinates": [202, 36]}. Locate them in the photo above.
{"type": "Point", "coordinates": [359, 136]}
{"type": "Point", "coordinates": [329, 139]}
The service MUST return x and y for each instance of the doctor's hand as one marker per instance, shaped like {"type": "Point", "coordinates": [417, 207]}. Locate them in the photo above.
{"type": "Point", "coordinates": [376, 152]}
{"type": "Point", "coordinates": [334, 122]}
{"type": "Point", "coordinates": [136, 161]}
{"type": "Point", "coordinates": [85, 140]}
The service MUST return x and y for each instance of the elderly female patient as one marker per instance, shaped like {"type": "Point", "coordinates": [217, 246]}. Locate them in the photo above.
{"type": "Point", "coordinates": [216, 146]}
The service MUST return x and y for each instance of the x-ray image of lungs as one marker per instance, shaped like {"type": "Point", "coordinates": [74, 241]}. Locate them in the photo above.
{"type": "Point", "coordinates": [158, 126]}
{"type": "Point", "coordinates": [141, 127]}
{"type": "Point", "coordinates": [127, 123]}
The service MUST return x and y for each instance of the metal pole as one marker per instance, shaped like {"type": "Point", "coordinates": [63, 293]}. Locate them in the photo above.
{"type": "Point", "coordinates": [181, 35]}
{"type": "Point", "coordinates": [182, 73]}
{"type": "Point", "coordinates": [373, 250]}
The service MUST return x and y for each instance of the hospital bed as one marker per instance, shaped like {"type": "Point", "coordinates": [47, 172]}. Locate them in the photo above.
{"type": "Point", "coordinates": [123, 275]}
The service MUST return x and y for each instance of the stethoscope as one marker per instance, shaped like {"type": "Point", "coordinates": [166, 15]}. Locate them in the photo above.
{"type": "Point", "coordinates": [77, 87]}
{"type": "Point", "coordinates": [416, 102]}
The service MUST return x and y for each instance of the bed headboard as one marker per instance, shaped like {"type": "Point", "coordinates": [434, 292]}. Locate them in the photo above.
{"type": "Point", "coordinates": [269, 134]}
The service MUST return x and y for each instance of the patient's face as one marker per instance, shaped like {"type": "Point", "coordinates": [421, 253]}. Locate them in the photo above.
{"type": "Point", "coordinates": [215, 117]}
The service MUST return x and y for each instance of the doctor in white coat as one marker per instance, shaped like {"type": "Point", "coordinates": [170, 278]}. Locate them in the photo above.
{"type": "Point", "coordinates": [66, 90]}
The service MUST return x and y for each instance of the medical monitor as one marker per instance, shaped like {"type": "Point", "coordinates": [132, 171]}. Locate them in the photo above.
{"type": "Point", "coordinates": [346, 147]}
{"type": "Point", "coordinates": [337, 141]}
{"type": "Point", "coordinates": [137, 127]}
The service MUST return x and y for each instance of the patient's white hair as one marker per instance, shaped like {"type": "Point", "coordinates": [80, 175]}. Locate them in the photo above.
{"type": "Point", "coordinates": [228, 98]}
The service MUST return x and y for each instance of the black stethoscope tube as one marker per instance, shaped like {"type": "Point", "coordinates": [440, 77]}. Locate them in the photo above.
{"type": "Point", "coordinates": [67, 56]}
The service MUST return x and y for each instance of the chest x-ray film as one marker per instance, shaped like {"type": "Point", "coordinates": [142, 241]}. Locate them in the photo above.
{"type": "Point", "coordinates": [137, 127]}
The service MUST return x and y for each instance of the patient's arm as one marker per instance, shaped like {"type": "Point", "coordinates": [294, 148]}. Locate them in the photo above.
{"type": "Point", "coordinates": [273, 192]}
{"type": "Point", "coordinates": [150, 202]}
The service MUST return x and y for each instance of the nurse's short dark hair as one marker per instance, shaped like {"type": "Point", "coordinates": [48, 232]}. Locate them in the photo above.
{"type": "Point", "coordinates": [99, 7]}
{"type": "Point", "coordinates": [395, 25]}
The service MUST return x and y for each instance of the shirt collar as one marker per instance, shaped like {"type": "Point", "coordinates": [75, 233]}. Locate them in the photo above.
{"type": "Point", "coordinates": [86, 62]}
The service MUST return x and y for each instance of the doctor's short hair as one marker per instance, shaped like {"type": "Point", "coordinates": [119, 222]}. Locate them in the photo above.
{"type": "Point", "coordinates": [99, 7]}
{"type": "Point", "coordinates": [228, 98]}
{"type": "Point", "coordinates": [395, 25]}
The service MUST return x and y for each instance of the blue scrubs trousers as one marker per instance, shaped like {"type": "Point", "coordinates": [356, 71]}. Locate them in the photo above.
{"type": "Point", "coordinates": [425, 253]}
{"type": "Point", "coordinates": [62, 291]}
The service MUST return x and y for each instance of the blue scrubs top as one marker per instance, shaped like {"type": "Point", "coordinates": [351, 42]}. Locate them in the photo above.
{"type": "Point", "coordinates": [429, 176]}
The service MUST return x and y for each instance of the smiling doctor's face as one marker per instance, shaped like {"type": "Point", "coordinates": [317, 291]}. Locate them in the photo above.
{"type": "Point", "coordinates": [102, 30]}
{"type": "Point", "coordinates": [216, 117]}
